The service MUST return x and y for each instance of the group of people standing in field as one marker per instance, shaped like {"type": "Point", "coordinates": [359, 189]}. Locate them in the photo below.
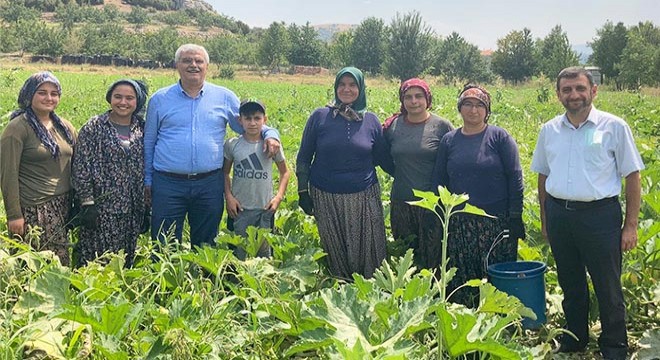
{"type": "Point", "coordinates": [129, 174]}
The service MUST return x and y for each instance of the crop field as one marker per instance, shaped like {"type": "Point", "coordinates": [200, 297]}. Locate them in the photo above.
{"type": "Point", "coordinates": [178, 303]}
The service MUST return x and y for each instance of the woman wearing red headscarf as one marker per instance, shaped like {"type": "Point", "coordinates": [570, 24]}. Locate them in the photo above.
{"type": "Point", "coordinates": [413, 136]}
{"type": "Point", "coordinates": [480, 160]}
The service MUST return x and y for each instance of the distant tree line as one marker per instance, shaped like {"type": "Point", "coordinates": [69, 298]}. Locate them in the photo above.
{"type": "Point", "coordinates": [403, 48]}
{"type": "Point", "coordinates": [407, 47]}
{"type": "Point", "coordinates": [630, 57]}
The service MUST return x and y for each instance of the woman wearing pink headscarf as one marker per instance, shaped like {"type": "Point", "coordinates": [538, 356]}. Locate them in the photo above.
{"type": "Point", "coordinates": [413, 136]}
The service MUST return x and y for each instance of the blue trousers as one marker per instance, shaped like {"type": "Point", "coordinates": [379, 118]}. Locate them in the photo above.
{"type": "Point", "coordinates": [201, 200]}
{"type": "Point", "coordinates": [590, 240]}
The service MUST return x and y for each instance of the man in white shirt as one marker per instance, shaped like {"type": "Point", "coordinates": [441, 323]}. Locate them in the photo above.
{"type": "Point", "coordinates": [581, 157]}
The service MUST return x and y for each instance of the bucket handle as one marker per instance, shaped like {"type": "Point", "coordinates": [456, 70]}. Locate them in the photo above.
{"type": "Point", "coordinates": [504, 234]}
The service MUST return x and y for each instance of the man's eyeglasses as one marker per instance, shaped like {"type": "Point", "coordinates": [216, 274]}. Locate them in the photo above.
{"type": "Point", "coordinates": [190, 61]}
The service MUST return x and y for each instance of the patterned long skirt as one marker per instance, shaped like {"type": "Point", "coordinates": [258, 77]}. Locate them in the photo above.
{"type": "Point", "coordinates": [115, 232]}
{"type": "Point", "coordinates": [470, 239]}
{"type": "Point", "coordinates": [422, 228]}
{"type": "Point", "coordinates": [51, 217]}
{"type": "Point", "coordinates": [352, 230]}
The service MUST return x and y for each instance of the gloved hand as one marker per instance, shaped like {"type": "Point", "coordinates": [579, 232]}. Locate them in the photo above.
{"type": "Point", "coordinates": [516, 227]}
{"type": "Point", "coordinates": [305, 202]}
{"type": "Point", "coordinates": [74, 216]}
{"type": "Point", "coordinates": [146, 221]}
{"type": "Point", "coordinates": [89, 215]}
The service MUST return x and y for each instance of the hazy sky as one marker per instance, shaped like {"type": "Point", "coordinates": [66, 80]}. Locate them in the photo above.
{"type": "Point", "coordinates": [480, 22]}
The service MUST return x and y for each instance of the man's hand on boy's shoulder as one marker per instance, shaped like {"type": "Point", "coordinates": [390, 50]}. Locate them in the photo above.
{"type": "Point", "coordinates": [233, 206]}
{"type": "Point", "coordinates": [272, 147]}
{"type": "Point", "coordinates": [273, 204]}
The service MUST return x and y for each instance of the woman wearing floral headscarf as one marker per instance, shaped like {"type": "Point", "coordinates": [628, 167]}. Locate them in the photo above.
{"type": "Point", "coordinates": [337, 180]}
{"type": "Point", "coordinates": [413, 136]}
{"type": "Point", "coordinates": [108, 175]}
{"type": "Point", "coordinates": [480, 160]}
{"type": "Point", "coordinates": [35, 165]}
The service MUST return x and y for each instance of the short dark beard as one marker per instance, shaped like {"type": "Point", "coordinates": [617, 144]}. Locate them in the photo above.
{"type": "Point", "coordinates": [585, 105]}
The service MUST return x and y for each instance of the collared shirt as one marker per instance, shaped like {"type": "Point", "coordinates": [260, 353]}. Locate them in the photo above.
{"type": "Point", "coordinates": [587, 163]}
{"type": "Point", "coordinates": [185, 135]}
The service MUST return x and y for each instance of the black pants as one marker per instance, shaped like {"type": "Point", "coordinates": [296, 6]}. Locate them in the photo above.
{"type": "Point", "coordinates": [591, 239]}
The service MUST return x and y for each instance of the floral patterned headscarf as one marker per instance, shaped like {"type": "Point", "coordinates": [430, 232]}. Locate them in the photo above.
{"type": "Point", "coordinates": [472, 91]}
{"type": "Point", "coordinates": [405, 86]}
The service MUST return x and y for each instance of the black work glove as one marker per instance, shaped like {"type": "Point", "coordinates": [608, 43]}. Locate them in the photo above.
{"type": "Point", "coordinates": [305, 202]}
{"type": "Point", "coordinates": [89, 215]}
{"type": "Point", "coordinates": [516, 227]}
{"type": "Point", "coordinates": [74, 216]}
{"type": "Point", "coordinates": [146, 221]}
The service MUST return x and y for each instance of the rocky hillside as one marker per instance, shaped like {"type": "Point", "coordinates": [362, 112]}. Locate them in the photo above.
{"type": "Point", "coordinates": [193, 4]}
{"type": "Point", "coordinates": [124, 5]}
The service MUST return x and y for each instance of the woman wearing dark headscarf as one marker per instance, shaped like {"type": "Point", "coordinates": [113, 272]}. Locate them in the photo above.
{"type": "Point", "coordinates": [413, 136]}
{"type": "Point", "coordinates": [480, 160]}
{"type": "Point", "coordinates": [35, 165]}
{"type": "Point", "coordinates": [337, 180]}
{"type": "Point", "coordinates": [108, 175]}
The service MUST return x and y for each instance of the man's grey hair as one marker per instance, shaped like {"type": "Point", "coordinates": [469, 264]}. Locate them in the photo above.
{"type": "Point", "coordinates": [190, 47]}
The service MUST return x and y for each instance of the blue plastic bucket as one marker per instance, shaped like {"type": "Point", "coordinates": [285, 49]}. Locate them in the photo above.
{"type": "Point", "coordinates": [524, 280]}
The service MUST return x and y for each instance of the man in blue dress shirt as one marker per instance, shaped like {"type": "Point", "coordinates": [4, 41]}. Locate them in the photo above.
{"type": "Point", "coordinates": [183, 149]}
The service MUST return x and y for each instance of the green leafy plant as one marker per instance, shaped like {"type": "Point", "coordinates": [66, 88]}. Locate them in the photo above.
{"type": "Point", "coordinates": [543, 94]}
{"type": "Point", "coordinates": [460, 330]}
{"type": "Point", "coordinates": [445, 205]}
{"type": "Point", "coordinates": [227, 72]}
